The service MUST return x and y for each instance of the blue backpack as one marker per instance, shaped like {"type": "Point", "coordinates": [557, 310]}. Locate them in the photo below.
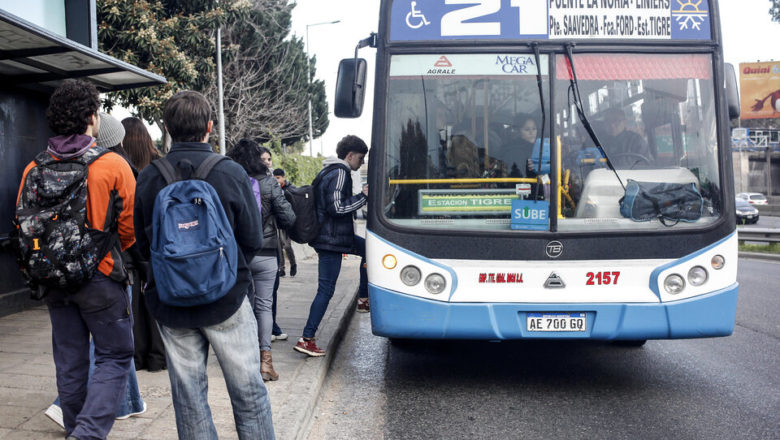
{"type": "Point", "coordinates": [194, 252]}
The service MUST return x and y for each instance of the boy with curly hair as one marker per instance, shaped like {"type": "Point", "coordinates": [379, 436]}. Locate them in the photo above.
{"type": "Point", "coordinates": [100, 307]}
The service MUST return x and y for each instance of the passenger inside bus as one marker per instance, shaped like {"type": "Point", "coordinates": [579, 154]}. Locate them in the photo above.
{"type": "Point", "coordinates": [625, 148]}
{"type": "Point", "coordinates": [516, 153]}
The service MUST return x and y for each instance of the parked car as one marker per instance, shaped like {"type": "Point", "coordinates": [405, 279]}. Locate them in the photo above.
{"type": "Point", "coordinates": [753, 198]}
{"type": "Point", "coordinates": [746, 213]}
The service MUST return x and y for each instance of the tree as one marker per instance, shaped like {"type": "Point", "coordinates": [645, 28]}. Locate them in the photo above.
{"type": "Point", "coordinates": [266, 88]}
{"type": "Point", "coordinates": [173, 38]}
{"type": "Point", "coordinates": [265, 84]}
{"type": "Point", "coordinates": [774, 10]}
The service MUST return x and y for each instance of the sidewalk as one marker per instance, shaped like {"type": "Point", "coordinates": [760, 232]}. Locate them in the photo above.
{"type": "Point", "coordinates": [28, 384]}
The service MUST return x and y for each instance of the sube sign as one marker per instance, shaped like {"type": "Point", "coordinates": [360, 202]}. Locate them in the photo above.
{"type": "Point", "coordinates": [530, 215]}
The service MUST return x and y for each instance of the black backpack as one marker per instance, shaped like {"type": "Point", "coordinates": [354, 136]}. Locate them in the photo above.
{"type": "Point", "coordinates": [55, 246]}
{"type": "Point", "coordinates": [304, 205]}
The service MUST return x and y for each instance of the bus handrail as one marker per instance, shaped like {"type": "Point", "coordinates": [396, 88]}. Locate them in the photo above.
{"type": "Point", "coordinates": [463, 180]}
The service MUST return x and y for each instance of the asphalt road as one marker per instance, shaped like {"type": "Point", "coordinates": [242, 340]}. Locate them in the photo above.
{"type": "Point", "coordinates": [722, 388]}
{"type": "Point", "coordinates": [765, 222]}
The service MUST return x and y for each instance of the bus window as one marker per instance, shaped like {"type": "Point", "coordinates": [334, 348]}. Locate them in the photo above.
{"type": "Point", "coordinates": [460, 133]}
{"type": "Point", "coordinates": [655, 118]}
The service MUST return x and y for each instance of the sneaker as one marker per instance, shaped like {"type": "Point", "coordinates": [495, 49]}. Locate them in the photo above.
{"type": "Point", "coordinates": [309, 347]}
{"type": "Point", "coordinates": [281, 272]}
{"type": "Point", "coordinates": [279, 337]}
{"type": "Point", "coordinates": [363, 306]}
{"type": "Point", "coordinates": [127, 416]}
{"type": "Point", "coordinates": [293, 270]}
{"type": "Point", "coordinates": [54, 412]}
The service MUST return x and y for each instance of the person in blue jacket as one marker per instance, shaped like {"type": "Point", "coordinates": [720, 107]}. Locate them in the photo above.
{"type": "Point", "coordinates": [335, 208]}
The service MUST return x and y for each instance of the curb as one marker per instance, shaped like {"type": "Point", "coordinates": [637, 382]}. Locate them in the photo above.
{"type": "Point", "coordinates": [293, 415]}
{"type": "Point", "coordinates": [321, 370]}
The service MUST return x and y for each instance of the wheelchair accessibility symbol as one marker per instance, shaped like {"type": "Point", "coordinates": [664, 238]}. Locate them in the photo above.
{"type": "Point", "coordinates": [416, 17]}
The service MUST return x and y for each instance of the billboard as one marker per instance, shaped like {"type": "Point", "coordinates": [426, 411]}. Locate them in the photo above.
{"type": "Point", "coordinates": [759, 89]}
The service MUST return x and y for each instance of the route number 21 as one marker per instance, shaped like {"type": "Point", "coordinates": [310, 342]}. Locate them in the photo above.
{"type": "Point", "coordinates": [602, 278]}
{"type": "Point", "coordinates": [454, 23]}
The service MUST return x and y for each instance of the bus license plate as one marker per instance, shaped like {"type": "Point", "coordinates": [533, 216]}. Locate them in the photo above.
{"type": "Point", "coordinates": [556, 322]}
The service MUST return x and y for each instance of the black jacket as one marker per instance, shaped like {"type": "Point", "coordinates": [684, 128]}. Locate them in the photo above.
{"type": "Point", "coordinates": [277, 212]}
{"type": "Point", "coordinates": [232, 185]}
{"type": "Point", "coordinates": [335, 205]}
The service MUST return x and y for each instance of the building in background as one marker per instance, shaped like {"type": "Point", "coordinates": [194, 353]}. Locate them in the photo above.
{"type": "Point", "coordinates": [43, 43]}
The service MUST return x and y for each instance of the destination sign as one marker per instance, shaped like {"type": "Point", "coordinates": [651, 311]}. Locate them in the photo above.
{"type": "Point", "coordinates": [426, 20]}
{"type": "Point", "coordinates": [465, 202]}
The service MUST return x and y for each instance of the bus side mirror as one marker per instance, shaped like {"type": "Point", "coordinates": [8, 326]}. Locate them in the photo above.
{"type": "Point", "coordinates": [732, 93]}
{"type": "Point", "coordinates": [350, 88]}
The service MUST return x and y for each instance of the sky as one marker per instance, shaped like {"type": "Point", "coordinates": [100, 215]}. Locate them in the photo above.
{"type": "Point", "coordinates": [748, 36]}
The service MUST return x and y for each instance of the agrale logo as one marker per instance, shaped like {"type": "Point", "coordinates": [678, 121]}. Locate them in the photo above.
{"type": "Point", "coordinates": [442, 67]}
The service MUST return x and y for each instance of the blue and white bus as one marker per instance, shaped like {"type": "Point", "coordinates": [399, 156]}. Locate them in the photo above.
{"type": "Point", "coordinates": [613, 221]}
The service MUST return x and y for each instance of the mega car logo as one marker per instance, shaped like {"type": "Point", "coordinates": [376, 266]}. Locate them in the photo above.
{"type": "Point", "coordinates": [500, 278]}
{"type": "Point", "coordinates": [514, 64]}
{"type": "Point", "coordinates": [554, 249]}
{"type": "Point", "coordinates": [442, 67]}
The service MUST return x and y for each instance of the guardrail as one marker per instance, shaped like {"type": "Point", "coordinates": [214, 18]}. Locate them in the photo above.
{"type": "Point", "coordinates": [759, 235]}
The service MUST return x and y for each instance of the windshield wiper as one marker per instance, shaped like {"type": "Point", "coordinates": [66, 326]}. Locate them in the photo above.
{"type": "Point", "coordinates": [581, 112]}
{"type": "Point", "coordinates": [544, 119]}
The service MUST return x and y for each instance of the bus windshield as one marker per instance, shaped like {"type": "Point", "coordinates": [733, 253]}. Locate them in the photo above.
{"type": "Point", "coordinates": [465, 138]}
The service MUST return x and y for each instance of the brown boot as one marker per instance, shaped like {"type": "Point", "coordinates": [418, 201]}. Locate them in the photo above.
{"type": "Point", "coordinates": [267, 366]}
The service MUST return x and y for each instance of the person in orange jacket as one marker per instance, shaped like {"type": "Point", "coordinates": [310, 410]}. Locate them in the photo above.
{"type": "Point", "coordinates": [101, 306]}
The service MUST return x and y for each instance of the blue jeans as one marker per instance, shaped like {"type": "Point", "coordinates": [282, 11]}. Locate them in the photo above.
{"type": "Point", "coordinates": [264, 271]}
{"type": "Point", "coordinates": [329, 267]}
{"type": "Point", "coordinates": [235, 343]}
{"type": "Point", "coordinates": [101, 308]}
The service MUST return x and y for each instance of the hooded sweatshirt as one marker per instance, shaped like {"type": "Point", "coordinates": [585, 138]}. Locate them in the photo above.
{"type": "Point", "coordinates": [110, 172]}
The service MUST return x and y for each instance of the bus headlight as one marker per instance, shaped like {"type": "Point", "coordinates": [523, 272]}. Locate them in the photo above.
{"type": "Point", "coordinates": [435, 283]}
{"type": "Point", "coordinates": [697, 276]}
{"type": "Point", "coordinates": [410, 275]}
{"type": "Point", "coordinates": [674, 284]}
{"type": "Point", "coordinates": [717, 262]}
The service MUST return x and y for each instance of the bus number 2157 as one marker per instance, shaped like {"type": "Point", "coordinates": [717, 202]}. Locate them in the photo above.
{"type": "Point", "coordinates": [602, 278]}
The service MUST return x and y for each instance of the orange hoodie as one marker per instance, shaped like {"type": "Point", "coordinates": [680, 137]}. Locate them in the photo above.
{"type": "Point", "coordinates": [108, 172]}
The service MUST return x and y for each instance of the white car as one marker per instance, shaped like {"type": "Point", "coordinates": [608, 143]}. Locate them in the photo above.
{"type": "Point", "coordinates": [753, 198]}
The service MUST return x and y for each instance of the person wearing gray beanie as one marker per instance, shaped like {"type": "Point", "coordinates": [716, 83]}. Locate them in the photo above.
{"type": "Point", "coordinates": [111, 131]}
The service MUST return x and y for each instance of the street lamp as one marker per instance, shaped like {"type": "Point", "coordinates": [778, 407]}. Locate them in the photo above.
{"type": "Point", "coordinates": [308, 80]}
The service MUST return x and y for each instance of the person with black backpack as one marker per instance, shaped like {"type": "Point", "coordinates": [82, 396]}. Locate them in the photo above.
{"type": "Point", "coordinates": [284, 237]}
{"type": "Point", "coordinates": [196, 218]}
{"type": "Point", "coordinates": [335, 207]}
{"type": "Point", "coordinates": [277, 215]}
{"type": "Point", "coordinates": [69, 247]}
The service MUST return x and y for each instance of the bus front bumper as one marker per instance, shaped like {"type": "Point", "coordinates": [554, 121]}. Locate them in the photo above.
{"type": "Point", "coordinates": [396, 315]}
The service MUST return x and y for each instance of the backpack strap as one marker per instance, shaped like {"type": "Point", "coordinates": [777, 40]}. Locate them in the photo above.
{"type": "Point", "coordinates": [324, 172]}
{"type": "Point", "coordinates": [167, 170]}
{"type": "Point", "coordinates": [207, 165]}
